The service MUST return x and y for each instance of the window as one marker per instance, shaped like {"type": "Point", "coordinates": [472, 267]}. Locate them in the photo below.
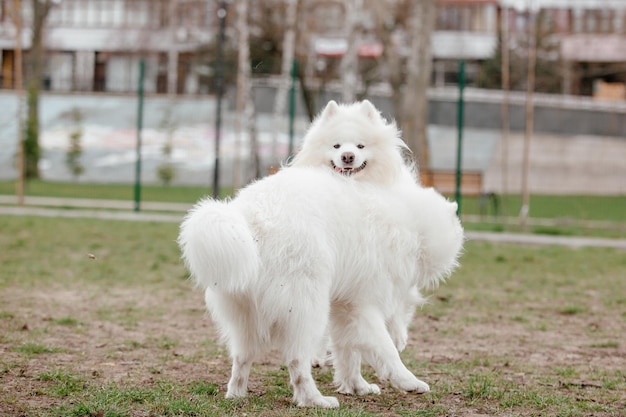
{"type": "Point", "coordinates": [466, 18]}
{"type": "Point", "coordinates": [596, 20]}
{"type": "Point", "coordinates": [111, 13]}
{"type": "Point", "coordinates": [329, 17]}
{"type": "Point", "coordinates": [194, 13]}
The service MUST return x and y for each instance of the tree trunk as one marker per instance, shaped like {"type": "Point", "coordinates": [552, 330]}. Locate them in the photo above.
{"type": "Point", "coordinates": [393, 71]}
{"type": "Point", "coordinates": [18, 68]}
{"type": "Point", "coordinates": [307, 95]}
{"type": "Point", "coordinates": [530, 117]}
{"type": "Point", "coordinates": [243, 79]}
{"type": "Point", "coordinates": [289, 48]}
{"type": "Point", "coordinates": [34, 75]}
{"type": "Point", "coordinates": [419, 67]}
{"type": "Point", "coordinates": [349, 67]}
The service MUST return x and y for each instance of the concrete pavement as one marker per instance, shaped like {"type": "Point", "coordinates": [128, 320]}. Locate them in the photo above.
{"type": "Point", "coordinates": [140, 216]}
{"type": "Point", "coordinates": [546, 240]}
{"type": "Point", "coordinates": [93, 203]}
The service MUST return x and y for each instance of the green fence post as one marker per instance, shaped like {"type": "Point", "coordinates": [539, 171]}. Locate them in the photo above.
{"type": "Point", "coordinates": [142, 70]}
{"type": "Point", "coordinates": [219, 87]}
{"type": "Point", "coordinates": [292, 104]}
{"type": "Point", "coordinates": [459, 144]}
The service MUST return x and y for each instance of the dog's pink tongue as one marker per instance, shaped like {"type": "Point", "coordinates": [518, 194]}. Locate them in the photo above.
{"type": "Point", "coordinates": [337, 169]}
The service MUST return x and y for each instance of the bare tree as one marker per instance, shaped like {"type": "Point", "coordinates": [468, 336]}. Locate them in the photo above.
{"type": "Point", "coordinates": [419, 68]}
{"type": "Point", "coordinates": [34, 75]}
{"type": "Point", "coordinates": [15, 13]}
{"type": "Point", "coordinates": [289, 47]}
{"type": "Point", "coordinates": [390, 24]}
{"type": "Point", "coordinates": [530, 115]}
{"type": "Point", "coordinates": [409, 22]}
{"type": "Point", "coordinates": [245, 103]}
{"type": "Point", "coordinates": [350, 62]}
{"type": "Point", "coordinates": [243, 78]}
{"type": "Point", "coordinates": [267, 45]}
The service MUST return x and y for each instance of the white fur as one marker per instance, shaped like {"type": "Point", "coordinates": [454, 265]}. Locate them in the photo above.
{"type": "Point", "coordinates": [358, 128]}
{"type": "Point", "coordinates": [309, 252]}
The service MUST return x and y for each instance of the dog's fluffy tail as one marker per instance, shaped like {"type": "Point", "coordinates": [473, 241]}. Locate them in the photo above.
{"type": "Point", "coordinates": [218, 247]}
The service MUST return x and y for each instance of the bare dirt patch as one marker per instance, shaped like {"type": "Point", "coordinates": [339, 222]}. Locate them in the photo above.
{"type": "Point", "coordinates": [136, 336]}
{"type": "Point", "coordinates": [516, 332]}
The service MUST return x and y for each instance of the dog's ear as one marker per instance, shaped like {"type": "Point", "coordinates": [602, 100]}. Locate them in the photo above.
{"type": "Point", "coordinates": [454, 206]}
{"type": "Point", "coordinates": [369, 110]}
{"type": "Point", "coordinates": [330, 110]}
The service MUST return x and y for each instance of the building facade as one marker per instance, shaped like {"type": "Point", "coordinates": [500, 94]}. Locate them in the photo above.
{"type": "Point", "coordinates": [590, 39]}
{"type": "Point", "coordinates": [95, 45]}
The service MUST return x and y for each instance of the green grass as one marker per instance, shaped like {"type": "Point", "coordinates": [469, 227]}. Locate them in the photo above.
{"type": "Point", "coordinates": [162, 398]}
{"type": "Point", "coordinates": [566, 207]}
{"type": "Point", "coordinates": [62, 383]}
{"type": "Point", "coordinates": [557, 215]}
{"type": "Point", "coordinates": [517, 330]}
{"type": "Point", "coordinates": [563, 207]}
{"type": "Point", "coordinates": [568, 215]}
{"type": "Point", "coordinates": [66, 321]}
{"type": "Point", "coordinates": [174, 193]}
{"type": "Point", "coordinates": [31, 349]}
{"type": "Point", "coordinates": [34, 249]}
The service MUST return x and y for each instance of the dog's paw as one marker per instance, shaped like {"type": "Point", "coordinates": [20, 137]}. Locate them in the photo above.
{"type": "Point", "coordinates": [236, 391]}
{"type": "Point", "coordinates": [231, 394]}
{"type": "Point", "coordinates": [410, 383]}
{"type": "Point", "coordinates": [361, 387]}
{"type": "Point", "coordinates": [320, 401]}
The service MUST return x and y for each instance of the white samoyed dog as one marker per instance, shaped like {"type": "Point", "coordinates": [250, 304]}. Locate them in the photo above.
{"type": "Point", "coordinates": [340, 242]}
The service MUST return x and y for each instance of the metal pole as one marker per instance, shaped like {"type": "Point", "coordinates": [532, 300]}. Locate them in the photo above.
{"type": "Point", "coordinates": [219, 86]}
{"type": "Point", "coordinates": [292, 104]}
{"type": "Point", "coordinates": [142, 70]}
{"type": "Point", "coordinates": [459, 144]}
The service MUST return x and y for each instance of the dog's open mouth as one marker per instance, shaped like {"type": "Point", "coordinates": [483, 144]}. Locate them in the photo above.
{"type": "Point", "coordinates": [348, 170]}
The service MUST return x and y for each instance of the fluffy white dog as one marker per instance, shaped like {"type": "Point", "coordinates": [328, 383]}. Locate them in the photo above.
{"type": "Point", "coordinates": [307, 251]}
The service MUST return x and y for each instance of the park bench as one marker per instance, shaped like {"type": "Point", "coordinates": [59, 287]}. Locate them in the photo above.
{"type": "Point", "coordinates": [471, 186]}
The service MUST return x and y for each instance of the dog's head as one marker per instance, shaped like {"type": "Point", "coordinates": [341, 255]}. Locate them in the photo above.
{"type": "Point", "coordinates": [354, 140]}
{"type": "Point", "coordinates": [349, 154]}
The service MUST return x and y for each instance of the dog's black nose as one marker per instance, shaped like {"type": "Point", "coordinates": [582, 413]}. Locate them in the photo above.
{"type": "Point", "coordinates": [347, 157]}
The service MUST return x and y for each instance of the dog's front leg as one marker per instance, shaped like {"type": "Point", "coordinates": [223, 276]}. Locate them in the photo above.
{"type": "Point", "coordinates": [366, 332]}
{"type": "Point", "coordinates": [348, 378]}
{"type": "Point", "coordinates": [238, 384]}
{"type": "Point", "coordinates": [305, 392]}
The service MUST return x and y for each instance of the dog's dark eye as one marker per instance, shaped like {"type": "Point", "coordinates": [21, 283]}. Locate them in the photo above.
{"type": "Point", "coordinates": [336, 146]}
{"type": "Point", "coordinates": [360, 146]}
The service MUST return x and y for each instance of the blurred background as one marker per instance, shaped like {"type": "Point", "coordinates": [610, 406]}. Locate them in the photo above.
{"type": "Point", "coordinates": [523, 96]}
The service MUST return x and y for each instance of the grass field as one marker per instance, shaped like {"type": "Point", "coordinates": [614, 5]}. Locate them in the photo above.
{"type": "Point", "coordinates": [177, 194]}
{"type": "Point", "coordinates": [97, 319]}
{"type": "Point", "coordinates": [608, 208]}
{"type": "Point", "coordinates": [561, 215]}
